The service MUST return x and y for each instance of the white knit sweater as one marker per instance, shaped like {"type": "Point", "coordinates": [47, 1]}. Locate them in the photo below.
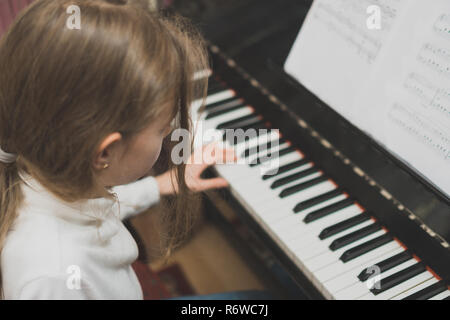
{"type": "Point", "coordinates": [82, 250]}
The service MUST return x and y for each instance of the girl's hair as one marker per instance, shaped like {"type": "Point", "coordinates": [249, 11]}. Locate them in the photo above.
{"type": "Point", "coordinates": [63, 90]}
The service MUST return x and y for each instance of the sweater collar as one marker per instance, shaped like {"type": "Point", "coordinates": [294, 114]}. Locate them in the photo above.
{"type": "Point", "coordinates": [102, 212]}
{"type": "Point", "coordinates": [39, 198]}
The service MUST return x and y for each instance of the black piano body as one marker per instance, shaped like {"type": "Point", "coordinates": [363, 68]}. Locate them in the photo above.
{"type": "Point", "coordinates": [249, 41]}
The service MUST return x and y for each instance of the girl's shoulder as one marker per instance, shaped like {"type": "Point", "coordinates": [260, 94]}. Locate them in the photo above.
{"type": "Point", "coordinates": [38, 248]}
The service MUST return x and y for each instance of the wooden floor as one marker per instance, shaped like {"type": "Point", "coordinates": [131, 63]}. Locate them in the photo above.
{"type": "Point", "coordinates": [208, 260]}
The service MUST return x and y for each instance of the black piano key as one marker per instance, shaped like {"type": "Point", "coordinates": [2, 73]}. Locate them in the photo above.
{"type": "Point", "coordinates": [316, 200]}
{"type": "Point", "coordinates": [213, 84]}
{"type": "Point", "coordinates": [285, 168]}
{"type": "Point", "coordinates": [357, 251]}
{"type": "Point", "coordinates": [428, 292]}
{"type": "Point", "coordinates": [313, 216]}
{"type": "Point", "coordinates": [260, 124]}
{"type": "Point", "coordinates": [447, 298]}
{"type": "Point", "coordinates": [386, 264]}
{"type": "Point", "coordinates": [354, 236]}
{"type": "Point", "coordinates": [302, 186]}
{"type": "Point", "coordinates": [237, 123]}
{"type": "Point", "coordinates": [219, 103]}
{"type": "Point", "coordinates": [293, 177]}
{"type": "Point", "coordinates": [343, 225]}
{"type": "Point", "coordinates": [234, 137]}
{"type": "Point", "coordinates": [215, 88]}
{"type": "Point", "coordinates": [266, 144]}
{"type": "Point", "coordinates": [225, 108]}
{"type": "Point", "coordinates": [269, 156]}
{"type": "Point", "coordinates": [399, 277]}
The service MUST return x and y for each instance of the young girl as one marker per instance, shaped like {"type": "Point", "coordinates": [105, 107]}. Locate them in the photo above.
{"type": "Point", "coordinates": [83, 114]}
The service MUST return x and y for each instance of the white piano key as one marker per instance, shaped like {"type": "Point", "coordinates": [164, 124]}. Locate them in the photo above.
{"type": "Point", "coordinates": [297, 234]}
{"type": "Point", "coordinates": [316, 246]}
{"type": "Point", "coordinates": [349, 278]}
{"type": "Point", "coordinates": [323, 204]}
{"type": "Point", "coordinates": [338, 268]}
{"type": "Point", "coordinates": [219, 96]}
{"type": "Point", "coordinates": [274, 209]}
{"type": "Point", "coordinates": [301, 180]}
{"type": "Point", "coordinates": [229, 116]}
{"type": "Point", "coordinates": [441, 296]}
{"type": "Point", "coordinates": [325, 259]}
{"type": "Point", "coordinates": [210, 99]}
{"type": "Point", "coordinates": [265, 185]}
{"type": "Point", "coordinates": [285, 174]}
{"type": "Point", "coordinates": [279, 217]}
{"type": "Point", "coordinates": [258, 188]}
{"type": "Point", "coordinates": [261, 139]}
{"type": "Point", "coordinates": [256, 183]}
{"type": "Point", "coordinates": [307, 247]}
{"type": "Point", "coordinates": [263, 153]}
{"type": "Point", "coordinates": [360, 289]}
{"type": "Point", "coordinates": [206, 130]}
{"type": "Point", "coordinates": [248, 191]}
{"type": "Point", "coordinates": [404, 286]}
{"type": "Point", "coordinates": [201, 139]}
{"type": "Point", "coordinates": [313, 228]}
{"type": "Point", "coordinates": [276, 148]}
{"type": "Point", "coordinates": [296, 217]}
{"type": "Point", "coordinates": [415, 289]}
{"type": "Point", "coordinates": [255, 189]}
{"type": "Point", "coordinates": [268, 182]}
{"type": "Point", "coordinates": [206, 73]}
{"type": "Point", "coordinates": [246, 174]}
{"type": "Point", "coordinates": [283, 160]}
{"type": "Point", "coordinates": [301, 244]}
{"type": "Point", "coordinates": [225, 107]}
{"type": "Point", "coordinates": [288, 203]}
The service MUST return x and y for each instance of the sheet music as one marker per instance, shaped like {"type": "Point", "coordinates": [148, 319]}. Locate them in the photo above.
{"type": "Point", "coordinates": [392, 83]}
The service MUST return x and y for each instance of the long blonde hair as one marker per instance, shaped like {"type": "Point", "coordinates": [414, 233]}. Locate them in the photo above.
{"type": "Point", "coordinates": [62, 91]}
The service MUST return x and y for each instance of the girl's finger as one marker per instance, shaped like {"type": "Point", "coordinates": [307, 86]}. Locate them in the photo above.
{"type": "Point", "coordinates": [226, 156]}
{"type": "Point", "coordinates": [213, 183]}
{"type": "Point", "coordinates": [213, 153]}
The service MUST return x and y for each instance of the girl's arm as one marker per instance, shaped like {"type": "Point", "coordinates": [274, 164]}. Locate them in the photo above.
{"type": "Point", "coordinates": [197, 163]}
{"type": "Point", "coordinates": [137, 197]}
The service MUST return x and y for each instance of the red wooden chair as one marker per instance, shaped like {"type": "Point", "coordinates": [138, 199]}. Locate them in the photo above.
{"type": "Point", "coordinates": [8, 10]}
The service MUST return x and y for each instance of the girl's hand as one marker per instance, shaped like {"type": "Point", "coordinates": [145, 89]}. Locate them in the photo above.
{"type": "Point", "coordinates": [199, 160]}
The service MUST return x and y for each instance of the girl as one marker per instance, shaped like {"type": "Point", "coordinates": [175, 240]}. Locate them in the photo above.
{"type": "Point", "coordinates": [83, 114]}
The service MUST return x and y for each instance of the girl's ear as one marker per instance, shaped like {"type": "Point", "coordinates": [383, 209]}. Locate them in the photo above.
{"type": "Point", "coordinates": [104, 154]}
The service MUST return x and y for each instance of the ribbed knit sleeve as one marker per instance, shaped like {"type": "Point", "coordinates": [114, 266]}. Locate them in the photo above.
{"type": "Point", "coordinates": [137, 197]}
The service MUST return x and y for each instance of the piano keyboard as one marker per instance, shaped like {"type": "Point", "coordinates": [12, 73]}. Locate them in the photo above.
{"type": "Point", "coordinates": [339, 246]}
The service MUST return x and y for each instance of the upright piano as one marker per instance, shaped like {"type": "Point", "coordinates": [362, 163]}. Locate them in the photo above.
{"type": "Point", "coordinates": [344, 214]}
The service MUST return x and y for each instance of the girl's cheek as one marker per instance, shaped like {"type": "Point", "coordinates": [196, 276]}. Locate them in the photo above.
{"type": "Point", "coordinates": [167, 132]}
{"type": "Point", "coordinates": [156, 151]}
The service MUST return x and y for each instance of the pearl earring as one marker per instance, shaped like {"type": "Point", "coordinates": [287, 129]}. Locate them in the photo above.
{"type": "Point", "coordinates": [106, 166]}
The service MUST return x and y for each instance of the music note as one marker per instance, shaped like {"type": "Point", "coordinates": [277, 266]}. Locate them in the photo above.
{"type": "Point", "coordinates": [347, 20]}
{"type": "Point", "coordinates": [392, 84]}
{"type": "Point", "coordinates": [442, 26]}
{"type": "Point", "coordinates": [435, 58]}
{"type": "Point", "coordinates": [429, 133]}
